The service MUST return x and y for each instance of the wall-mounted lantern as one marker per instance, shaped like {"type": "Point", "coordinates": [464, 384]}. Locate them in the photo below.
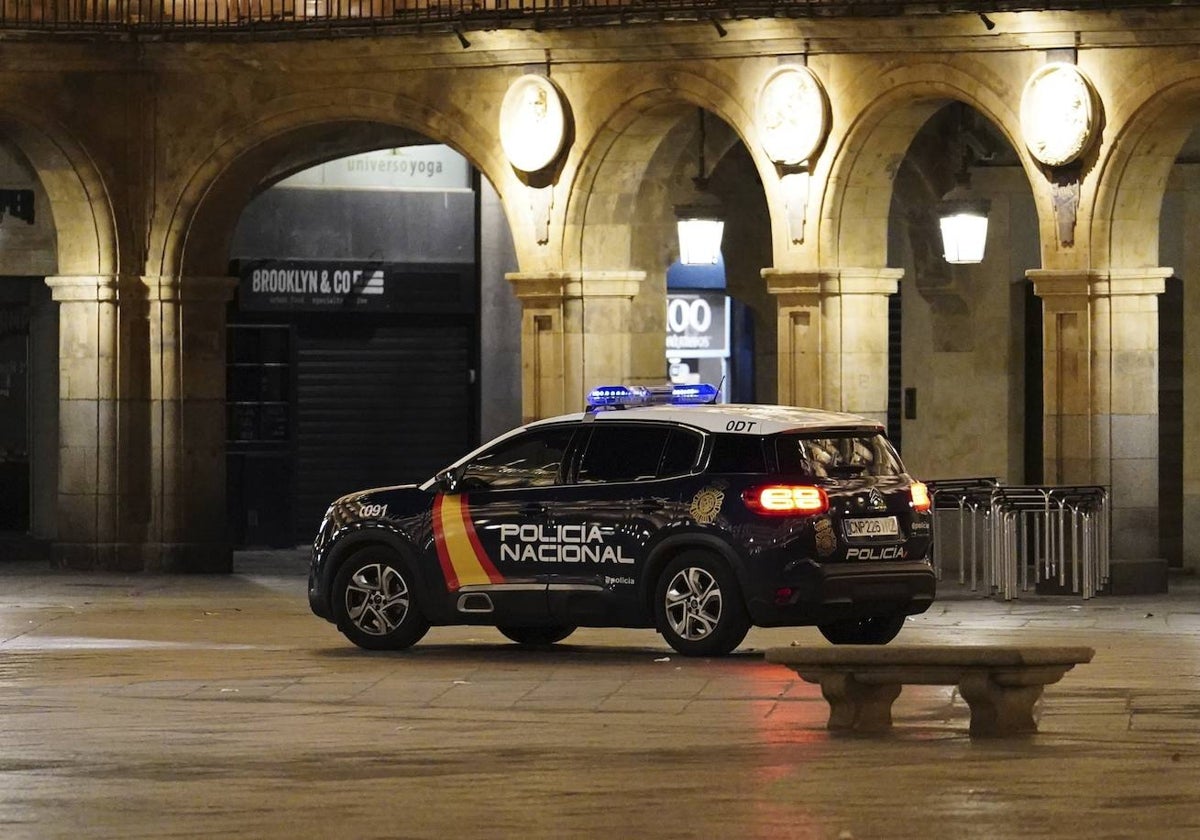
{"type": "Point", "coordinates": [962, 214]}
{"type": "Point", "coordinates": [700, 219]}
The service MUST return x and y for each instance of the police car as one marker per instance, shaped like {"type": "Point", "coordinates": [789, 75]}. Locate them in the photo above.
{"type": "Point", "coordinates": [654, 508]}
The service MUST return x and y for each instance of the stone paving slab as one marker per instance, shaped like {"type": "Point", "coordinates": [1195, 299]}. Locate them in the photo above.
{"type": "Point", "coordinates": [152, 707]}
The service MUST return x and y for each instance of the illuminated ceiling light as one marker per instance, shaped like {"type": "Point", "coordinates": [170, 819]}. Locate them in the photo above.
{"type": "Point", "coordinates": [700, 220]}
{"type": "Point", "coordinates": [962, 214]}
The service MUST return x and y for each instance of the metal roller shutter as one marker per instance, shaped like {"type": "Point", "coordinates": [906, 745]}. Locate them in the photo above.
{"type": "Point", "coordinates": [377, 406]}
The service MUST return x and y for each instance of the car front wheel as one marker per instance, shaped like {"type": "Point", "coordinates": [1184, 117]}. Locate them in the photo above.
{"type": "Point", "coordinates": [877, 630]}
{"type": "Point", "coordinates": [374, 602]}
{"type": "Point", "coordinates": [699, 607]}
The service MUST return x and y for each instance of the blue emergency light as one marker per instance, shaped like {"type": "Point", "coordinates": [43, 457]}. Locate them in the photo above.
{"type": "Point", "coordinates": [702, 393]}
{"type": "Point", "coordinates": [609, 396]}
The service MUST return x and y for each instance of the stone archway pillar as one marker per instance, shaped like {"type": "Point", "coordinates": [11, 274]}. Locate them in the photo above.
{"type": "Point", "coordinates": [575, 334]}
{"type": "Point", "coordinates": [187, 420]}
{"type": "Point", "coordinates": [1100, 392]}
{"type": "Point", "coordinates": [103, 494]}
{"type": "Point", "coordinates": [141, 483]}
{"type": "Point", "coordinates": [833, 337]}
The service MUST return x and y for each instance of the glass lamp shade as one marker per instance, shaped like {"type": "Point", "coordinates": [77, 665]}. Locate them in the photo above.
{"type": "Point", "coordinates": [964, 225]}
{"type": "Point", "coordinates": [700, 240]}
{"type": "Point", "coordinates": [964, 236]}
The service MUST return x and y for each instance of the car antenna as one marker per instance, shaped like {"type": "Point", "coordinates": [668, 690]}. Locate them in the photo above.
{"type": "Point", "coordinates": [720, 387]}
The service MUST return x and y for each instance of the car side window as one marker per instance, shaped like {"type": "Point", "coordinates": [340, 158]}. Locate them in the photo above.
{"type": "Point", "coordinates": [617, 452]}
{"type": "Point", "coordinates": [737, 454]}
{"type": "Point", "coordinates": [681, 454]}
{"type": "Point", "coordinates": [533, 459]}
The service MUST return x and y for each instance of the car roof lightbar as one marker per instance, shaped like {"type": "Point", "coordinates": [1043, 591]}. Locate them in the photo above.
{"type": "Point", "coordinates": [617, 396]}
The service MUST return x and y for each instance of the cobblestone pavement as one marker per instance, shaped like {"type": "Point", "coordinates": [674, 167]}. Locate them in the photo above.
{"type": "Point", "coordinates": [173, 707]}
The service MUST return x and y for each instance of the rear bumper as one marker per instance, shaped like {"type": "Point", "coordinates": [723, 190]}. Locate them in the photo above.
{"type": "Point", "coordinates": [813, 593]}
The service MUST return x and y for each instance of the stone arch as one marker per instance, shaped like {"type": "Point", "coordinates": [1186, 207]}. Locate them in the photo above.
{"type": "Point", "coordinates": [857, 194]}
{"type": "Point", "coordinates": [618, 223]}
{"type": "Point", "coordinates": [1124, 220]}
{"type": "Point", "coordinates": [1154, 108]}
{"type": "Point", "coordinates": [192, 237]}
{"type": "Point", "coordinates": [86, 231]}
{"type": "Point", "coordinates": [630, 140]}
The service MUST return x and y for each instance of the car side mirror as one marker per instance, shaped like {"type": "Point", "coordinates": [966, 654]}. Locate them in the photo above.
{"type": "Point", "coordinates": [447, 480]}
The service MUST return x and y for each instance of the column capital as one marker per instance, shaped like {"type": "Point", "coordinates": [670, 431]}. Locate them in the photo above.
{"type": "Point", "coordinates": [115, 287]}
{"type": "Point", "coordinates": [189, 288]}
{"type": "Point", "coordinates": [545, 288]}
{"type": "Point", "coordinates": [555, 286]}
{"type": "Point", "coordinates": [90, 287]}
{"type": "Point", "coordinates": [792, 283]}
{"type": "Point", "coordinates": [837, 281]}
{"type": "Point", "coordinates": [1061, 283]}
{"type": "Point", "coordinates": [609, 284]}
{"type": "Point", "coordinates": [863, 281]}
{"type": "Point", "coordinates": [1131, 281]}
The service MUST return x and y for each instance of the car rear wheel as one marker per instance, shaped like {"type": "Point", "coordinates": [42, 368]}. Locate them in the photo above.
{"type": "Point", "coordinates": [537, 636]}
{"type": "Point", "coordinates": [698, 606]}
{"type": "Point", "coordinates": [876, 630]}
{"type": "Point", "coordinates": [375, 604]}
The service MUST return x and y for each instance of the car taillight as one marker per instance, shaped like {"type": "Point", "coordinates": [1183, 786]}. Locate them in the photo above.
{"type": "Point", "coordinates": [920, 497]}
{"type": "Point", "coordinates": [786, 499]}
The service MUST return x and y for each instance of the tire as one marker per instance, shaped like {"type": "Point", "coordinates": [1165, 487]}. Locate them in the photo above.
{"type": "Point", "coordinates": [876, 630]}
{"type": "Point", "coordinates": [375, 604]}
{"type": "Point", "coordinates": [537, 636]}
{"type": "Point", "coordinates": [698, 606]}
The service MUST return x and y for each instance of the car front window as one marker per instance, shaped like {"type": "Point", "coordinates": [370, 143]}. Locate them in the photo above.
{"type": "Point", "coordinates": [533, 459]}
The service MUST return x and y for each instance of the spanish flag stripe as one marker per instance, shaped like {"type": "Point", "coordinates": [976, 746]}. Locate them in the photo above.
{"type": "Point", "coordinates": [463, 559]}
{"type": "Point", "coordinates": [485, 562]}
{"type": "Point", "coordinates": [439, 539]}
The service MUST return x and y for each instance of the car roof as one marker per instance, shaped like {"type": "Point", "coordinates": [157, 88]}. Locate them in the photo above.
{"type": "Point", "coordinates": [766, 420]}
{"type": "Point", "coordinates": [731, 417]}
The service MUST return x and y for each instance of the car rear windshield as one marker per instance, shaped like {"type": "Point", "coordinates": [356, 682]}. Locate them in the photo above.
{"type": "Point", "coordinates": [842, 455]}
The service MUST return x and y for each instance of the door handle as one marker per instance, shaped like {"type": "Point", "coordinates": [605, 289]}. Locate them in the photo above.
{"type": "Point", "coordinates": [532, 509]}
{"type": "Point", "coordinates": [649, 507]}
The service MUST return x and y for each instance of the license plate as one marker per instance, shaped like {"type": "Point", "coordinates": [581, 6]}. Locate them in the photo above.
{"type": "Point", "coordinates": [876, 526]}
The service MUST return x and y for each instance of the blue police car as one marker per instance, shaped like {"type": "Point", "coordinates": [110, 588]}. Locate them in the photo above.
{"type": "Point", "coordinates": [654, 508]}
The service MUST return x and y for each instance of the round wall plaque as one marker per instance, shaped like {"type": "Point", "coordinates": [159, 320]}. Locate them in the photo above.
{"type": "Point", "coordinates": [1058, 113]}
{"type": "Point", "coordinates": [532, 123]}
{"type": "Point", "coordinates": [792, 114]}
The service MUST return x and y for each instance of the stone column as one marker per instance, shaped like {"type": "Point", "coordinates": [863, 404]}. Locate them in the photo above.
{"type": "Point", "coordinates": [141, 483]}
{"type": "Point", "coordinates": [798, 308]}
{"type": "Point", "coordinates": [103, 492]}
{"type": "Point", "coordinates": [574, 336]}
{"type": "Point", "coordinates": [1100, 391]}
{"type": "Point", "coordinates": [833, 337]}
{"type": "Point", "coordinates": [187, 423]}
{"type": "Point", "coordinates": [543, 350]}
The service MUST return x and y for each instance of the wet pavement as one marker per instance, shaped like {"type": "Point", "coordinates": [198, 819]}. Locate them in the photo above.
{"type": "Point", "coordinates": [173, 707]}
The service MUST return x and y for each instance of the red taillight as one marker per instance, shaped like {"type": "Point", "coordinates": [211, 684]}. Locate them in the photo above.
{"type": "Point", "coordinates": [786, 499]}
{"type": "Point", "coordinates": [920, 496]}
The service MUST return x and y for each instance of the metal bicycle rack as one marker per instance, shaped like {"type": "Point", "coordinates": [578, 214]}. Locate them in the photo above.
{"type": "Point", "coordinates": [1010, 538]}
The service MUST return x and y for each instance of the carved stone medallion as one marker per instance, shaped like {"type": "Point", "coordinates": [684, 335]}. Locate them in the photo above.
{"type": "Point", "coordinates": [532, 123]}
{"type": "Point", "coordinates": [792, 114]}
{"type": "Point", "coordinates": [1058, 113]}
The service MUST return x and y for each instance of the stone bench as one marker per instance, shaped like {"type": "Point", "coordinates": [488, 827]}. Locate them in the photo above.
{"type": "Point", "coordinates": [1000, 683]}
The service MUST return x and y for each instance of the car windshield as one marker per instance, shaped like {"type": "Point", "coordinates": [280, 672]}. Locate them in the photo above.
{"type": "Point", "coordinates": [842, 455]}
